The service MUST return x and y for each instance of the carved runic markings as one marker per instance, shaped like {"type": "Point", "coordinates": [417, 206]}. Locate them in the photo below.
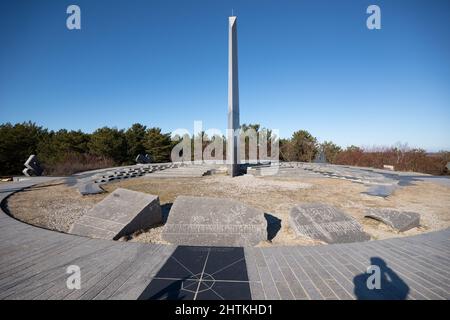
{"type": "Point", "coordinates": [214, 221]}
{"type": "Point", "coordinates": [325, 223]}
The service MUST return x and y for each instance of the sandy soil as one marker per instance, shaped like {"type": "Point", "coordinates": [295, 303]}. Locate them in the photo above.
{"type": "Point", "coordinates": [57, 206]}
{"type": "Point", "coordinates": [51, 205]}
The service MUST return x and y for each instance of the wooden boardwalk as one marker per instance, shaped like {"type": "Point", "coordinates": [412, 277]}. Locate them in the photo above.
{"type": "Point", "coordinates": [418, 266]}
{"type": "Point", "coordinates": [33, 264]}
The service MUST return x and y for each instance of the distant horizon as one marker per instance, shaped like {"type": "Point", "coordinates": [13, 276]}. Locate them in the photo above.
{"type": "Point", "coordinates": [164, 64]}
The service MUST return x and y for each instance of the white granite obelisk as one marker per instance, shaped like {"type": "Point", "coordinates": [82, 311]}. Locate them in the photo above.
{"type": "Point", "coordinates": [233, 99]}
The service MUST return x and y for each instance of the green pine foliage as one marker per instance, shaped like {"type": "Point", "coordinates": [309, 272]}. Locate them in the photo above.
{"type": "Point", "coordinates": [65, 152]}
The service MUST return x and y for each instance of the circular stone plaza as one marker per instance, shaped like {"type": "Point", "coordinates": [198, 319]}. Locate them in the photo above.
{"type": "Point", "coordinates": [190, 231]}
{"type": "Point", "coordinates": [201, 230]}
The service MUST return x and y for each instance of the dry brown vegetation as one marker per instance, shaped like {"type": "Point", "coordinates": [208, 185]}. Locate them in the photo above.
{"type": "Point", "coordinates": [415, 160]}
{"type": "Point", "coordinates": [52, 205]}
{"type": "Point", "coordinates": [57, 206]}
{"type": "Point", "coordinates": [75, 162]}
{"type": "Point", "coordinates": [276, 196]}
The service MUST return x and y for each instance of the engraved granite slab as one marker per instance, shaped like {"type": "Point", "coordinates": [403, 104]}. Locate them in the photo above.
{"type": "Point", "coordinates": [325, 223]}
{"type": "Point", "coordinates": [205, 221]}
{"type": "Point", "coordinates": [399, 220]}
{"type": "Point", "coordinates": [121, 213]}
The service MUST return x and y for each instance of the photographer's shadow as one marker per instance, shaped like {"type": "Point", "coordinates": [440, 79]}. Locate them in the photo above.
{"type": "Point", "coordinates": [392, 287]}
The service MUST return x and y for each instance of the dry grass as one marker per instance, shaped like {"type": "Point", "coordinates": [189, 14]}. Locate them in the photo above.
{"type": "Point", "coordinates": [414, 160]}
{"type": "Point", "coordinates": [51, 205]}
{"type": "Point", "coordinates": [75, 162]}
{"type": "Point", "coordinates": [57, 206]}
{"type": "Point", "coordinates": [278, 195]}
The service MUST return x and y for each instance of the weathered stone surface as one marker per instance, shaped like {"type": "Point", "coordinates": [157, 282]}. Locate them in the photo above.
{"type": "Point", "coordinates": [325, 223]}
{"type": "Point", "coordinates": [89, 188]}
{"type": "Point", "coordinates": [121, 213]}
{"type": "Point", "coordinates": [321, 157]}
{"type": "Point", "coordinates": [381, 190]}
{"type": "Point", "coordinates": [399, 220]}
{"type": "Point", "coordinates": [28, 172]}
{"type": "Point", "coordinates": [233, 100]}
{"type": "Point", "coordinates": [214, 222]}
{"type": "Point", "coordinates": [143, 159]}
{"type": "Point", "coordinates": [191, 171]}
{"type": "Point", "coordinates": [33, 164]}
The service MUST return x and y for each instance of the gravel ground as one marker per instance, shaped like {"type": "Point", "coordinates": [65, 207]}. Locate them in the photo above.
{"type": "Point", "coordinates": [51, 205]}
{"type": "Point", "coordinates": [57, 206]}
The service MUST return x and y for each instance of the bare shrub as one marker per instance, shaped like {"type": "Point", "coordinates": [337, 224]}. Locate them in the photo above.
{"type": "Point", "coordinates": [77, 162]}
{"type": "Point", "coordinates": [402, 158]}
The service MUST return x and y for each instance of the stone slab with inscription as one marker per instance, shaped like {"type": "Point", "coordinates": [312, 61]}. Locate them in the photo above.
{"type": "Point", "coordinates": [325, 223]}
{"type": "Point", "coordinates": [121, 213]}
{"type": "Point", "coordinates": [399, 220]}
{"type": "Point", "coordinates": [206, 221]}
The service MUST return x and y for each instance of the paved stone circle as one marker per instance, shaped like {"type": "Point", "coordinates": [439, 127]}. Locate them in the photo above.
{"type": "Point", "coordinates": [214, 222]}
{"type": "Point", "coordinates": [399, 220]}
{"type": "Point", "coordinates": [121, 213]}
{"type": "Point", "coordinates": [325, 223]}
{"type": "Point", "coordinates": [122, 270]}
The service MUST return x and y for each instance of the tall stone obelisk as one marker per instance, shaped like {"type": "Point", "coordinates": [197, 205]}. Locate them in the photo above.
{"type": "Point", "coordinates": [233, 99]}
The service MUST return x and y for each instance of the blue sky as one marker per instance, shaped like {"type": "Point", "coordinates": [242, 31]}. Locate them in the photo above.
{"type": "Point", "coordinates": [310, 65]}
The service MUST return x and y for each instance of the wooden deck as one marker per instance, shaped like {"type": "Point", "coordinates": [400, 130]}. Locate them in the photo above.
{"type": "Point", "coordinates": [33, 263]}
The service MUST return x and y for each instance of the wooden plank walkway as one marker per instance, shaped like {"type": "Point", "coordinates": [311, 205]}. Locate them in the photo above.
{"type": "Point", "coordinates": [33, 263]}
{"type": "Point", "coordinates": [419, 268]}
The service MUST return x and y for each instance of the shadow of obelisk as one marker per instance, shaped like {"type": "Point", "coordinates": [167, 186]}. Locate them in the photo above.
{"type": "Point", "coordinates": [233, 100]}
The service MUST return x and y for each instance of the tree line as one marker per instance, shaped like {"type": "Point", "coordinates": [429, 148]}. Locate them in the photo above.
{"type": "Point", "coordinates": [304, 147]}
{"type": "Point", "coordinates": [61, 151]}
{"type": "Point", "coordinates": [65, 152]}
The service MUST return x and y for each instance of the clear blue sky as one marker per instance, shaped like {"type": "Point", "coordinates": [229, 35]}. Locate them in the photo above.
{"type": "Point", "coordinates": [302, 65]}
